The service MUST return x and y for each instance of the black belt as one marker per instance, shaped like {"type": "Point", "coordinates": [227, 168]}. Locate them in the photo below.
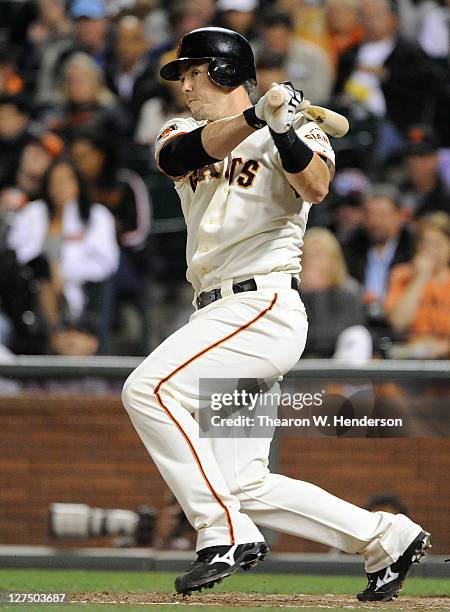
{"type": "Point", "coordinates": [208, 297]}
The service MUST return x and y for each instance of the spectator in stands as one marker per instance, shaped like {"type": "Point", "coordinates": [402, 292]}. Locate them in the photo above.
{"type": "Point", "coordinates": [344, 29]}
{"type": "Point", "coordinates": [156, 22]}
{"type": "Point", "coordinates": [382, 242]}
{"type": "Point", "coordinates": [388, 75]}
{"type": "Point", "coordinates": [306, 64]}
{"type": "Point", "coordinates": [418, 300]}
{"type": "Point", "coordinates": [121, 190]}
{"type": "Point", "coordinates": [76, 240]}
{"type": "Point", "coordinates": [333, 302]}
{"type": "Point", "coordinates": [434, 31]}
{"type": "Point", "coordinates": [11, 83]}
{"type": "Point", "coordinates": [15, 124]}
{"type": "Point", "coordinates": [204, 9]}
{"type": "Point", "coordinates": [86, 102]}
{"type": "Point", "coordinates": [238, 15]}
{"type": "Point", "coordinates": [22, 326]}
{"type": "Point", "coordinates": [51, 24]}
{"type": "Point", "coordinates": [36, 157]}
{"type": "Point", "coordinates": [270, 68]}
{"type": "Point", "coordinates": [125, 194]}
{"type": "Point", "coordinates": [51, 27]}
{"type": "Point", "coordinates": [346, 202]}
{"type": "Point", "coordinates": [308, 19]}
{"type": "Point", "coordinates": [132, 77]}
{"type": "Point", "coordinates": [184, 16]}
{"type": "Point", "coordinates": [92, 35]}
{"type": "Point", "coordinates": [423, 189]}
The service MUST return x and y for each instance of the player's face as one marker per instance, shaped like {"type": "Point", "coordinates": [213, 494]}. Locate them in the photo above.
{"type": "Point", "coordinates": [204, 99]}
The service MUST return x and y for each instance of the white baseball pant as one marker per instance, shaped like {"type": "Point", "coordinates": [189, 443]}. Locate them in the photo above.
{"type": "Point", "coordinates": [223, 485]}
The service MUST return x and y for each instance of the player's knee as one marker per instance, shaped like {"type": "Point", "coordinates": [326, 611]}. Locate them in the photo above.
{"type": "Point", "coordinates": [248, 482]}
{"type": "Point", "coordinates": [127, 393]}
{"type": "Point", "coordinates": [131, 391]}
{"type": "Point", "coordinates": [138, 390]}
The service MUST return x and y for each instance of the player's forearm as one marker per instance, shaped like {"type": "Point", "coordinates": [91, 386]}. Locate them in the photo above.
{"type": "Point", "coordinates": [205, 145]}
{"type": "Point", "coordinates": [220, 137]}
{"type": "Point", "coordinates": [304, 169]}
{"type": "Point", "coordinates": [313, 182]}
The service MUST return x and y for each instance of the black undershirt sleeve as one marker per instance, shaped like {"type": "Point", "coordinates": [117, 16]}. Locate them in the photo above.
{"type": "Point", "coordinates": [184, 153]}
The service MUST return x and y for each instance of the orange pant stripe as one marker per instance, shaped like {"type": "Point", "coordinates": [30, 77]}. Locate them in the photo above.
{"type": "Point", "coordinates": [177, 424]}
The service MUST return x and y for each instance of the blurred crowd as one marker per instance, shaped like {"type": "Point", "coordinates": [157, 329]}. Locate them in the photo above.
{"type": "Point", "coordinates": [91, 238]}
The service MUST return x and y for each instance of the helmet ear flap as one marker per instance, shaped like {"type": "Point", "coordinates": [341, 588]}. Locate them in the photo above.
{"type": "Point", "coordinates": [224, 72]}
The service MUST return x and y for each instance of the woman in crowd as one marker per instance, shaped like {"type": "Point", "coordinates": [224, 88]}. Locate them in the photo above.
{"type": "Point", "coordinates": [86, 101]}
{"type": "Point", "coordinates": [344, 27]}
{"type": "Point", "coordinates": [36, 157]}
{"type": "Point", "coordinates": [333, 302]}
{"type": "Point", "coordinates": [120, 189]}
{"type": "Point", "coordinates": [77, 240]}
{"type": "Point", "coordinates": [418, 300]}
{"type": "Point", "coordinates": [125, 194]}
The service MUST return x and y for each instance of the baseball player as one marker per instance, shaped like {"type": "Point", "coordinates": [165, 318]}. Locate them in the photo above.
{"type": "Point", "coordinates": [247, 177]}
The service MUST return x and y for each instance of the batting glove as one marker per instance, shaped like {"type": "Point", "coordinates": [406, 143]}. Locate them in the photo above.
{"type": "Point", "coordinates": [280, 119]}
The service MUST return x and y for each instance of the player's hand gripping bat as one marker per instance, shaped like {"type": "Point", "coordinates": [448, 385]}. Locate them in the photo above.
{"type": "Point", "coordinates": [331, 122]}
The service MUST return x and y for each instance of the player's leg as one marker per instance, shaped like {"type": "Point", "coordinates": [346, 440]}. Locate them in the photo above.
{"type": "Point", "coordinates": [160, 407]}
{"type": "Point", "coordinates": [227, 339]}
{"type": "Point", "coordinates": [389, 543]}
{"type": "Point", "coordinates": [305, 510]}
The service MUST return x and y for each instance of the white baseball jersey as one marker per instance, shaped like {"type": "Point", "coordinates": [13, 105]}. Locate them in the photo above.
{"type": "Point", "coordinates": [243, 217]}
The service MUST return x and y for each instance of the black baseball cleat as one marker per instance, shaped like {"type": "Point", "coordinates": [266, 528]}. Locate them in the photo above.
{"type": "Point", "coordinates": [217, 562]}
{"type": "Point", "coordinates": [388, 582]}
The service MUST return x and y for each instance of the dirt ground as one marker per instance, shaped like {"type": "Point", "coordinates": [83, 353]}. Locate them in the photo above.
{"type": "Point", "coordinates": [254, 600]}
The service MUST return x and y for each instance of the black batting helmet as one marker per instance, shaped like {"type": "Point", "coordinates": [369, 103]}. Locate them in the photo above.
{"type": "Point", "coordinates": [229, 56]}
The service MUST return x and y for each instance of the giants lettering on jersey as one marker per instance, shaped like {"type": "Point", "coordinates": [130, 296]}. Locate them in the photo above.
{"type": "Point", "coordinates": [318, 135]}
{"type": "Point", "coordinates": [242, 173]}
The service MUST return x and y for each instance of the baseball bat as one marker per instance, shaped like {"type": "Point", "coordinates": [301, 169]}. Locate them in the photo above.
{"type": "Point", "coordinates": [331, 122]}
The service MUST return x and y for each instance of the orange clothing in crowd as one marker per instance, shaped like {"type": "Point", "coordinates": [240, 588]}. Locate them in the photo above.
{"type": "Point", "coordinates": [338, 43]}
{"type": "Point", "coordinates": [433, 314]}
{"type": "Point", "coordinates": [11, 84]}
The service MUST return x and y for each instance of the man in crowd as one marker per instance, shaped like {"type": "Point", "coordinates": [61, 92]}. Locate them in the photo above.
{"type": "Point", "coordinates": [92, 35]}
{"type": "Point", "coordinates": [423, 189]}
{"type": "Point", "coordinates": [391, 77]}
{"type": "Point", "coordinates": [383, 241]}
{"type": "Point", "coordinates": [306, 64]}
{"type": "Point", "coordinates": [132, 75]}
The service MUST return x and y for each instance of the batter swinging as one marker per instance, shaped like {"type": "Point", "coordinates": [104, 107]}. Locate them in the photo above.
{"type": "Point", "coordinates": [247, 177]}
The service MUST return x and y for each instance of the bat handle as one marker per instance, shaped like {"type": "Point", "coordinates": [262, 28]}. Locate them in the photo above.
{"type": "Point", "coordinates": [275, 97]}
